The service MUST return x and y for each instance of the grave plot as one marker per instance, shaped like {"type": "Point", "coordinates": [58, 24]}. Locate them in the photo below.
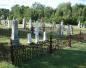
{"type": "Point", "coordinates": [43, 41]}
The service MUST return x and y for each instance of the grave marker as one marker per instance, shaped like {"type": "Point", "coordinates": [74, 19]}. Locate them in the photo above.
{"type": "Point", "coordinates": [14, 35]}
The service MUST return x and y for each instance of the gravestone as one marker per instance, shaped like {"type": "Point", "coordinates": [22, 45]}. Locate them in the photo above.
{"type": "Point", "coordinates": [24, 23]}
{"type": "Point", "coordinates": [61, 29]}
{"type": "Point", "coordinates": [8, 23]}
{"type": "Point", "coordinates": [30, 24]}
{"type": "Point", "coordinates": [29, 38]}
{"type": "Point", "coordinates": [44, 36]}
{"type": "Point", "coordinates": [14, 34]}
{"type": "Point", "coordinates": [36, 34]}
{"type": "Point", "coordinates": [79, 24]}
{"type": "Point", "coordinates": [69, 30]}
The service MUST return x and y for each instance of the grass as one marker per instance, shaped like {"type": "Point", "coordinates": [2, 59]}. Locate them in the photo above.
{"type": "Point", "coordinates": [74, 57]}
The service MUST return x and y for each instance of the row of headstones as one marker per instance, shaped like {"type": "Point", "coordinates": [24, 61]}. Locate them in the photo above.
{"type": "Point", "coordinates": [61, 29]}
{"type": "Point", "coordinates": [15, 37]}
{"type": "Point", "coordinates": [8, 23]}
{"type": "Point", "coordinates": [80, 25]}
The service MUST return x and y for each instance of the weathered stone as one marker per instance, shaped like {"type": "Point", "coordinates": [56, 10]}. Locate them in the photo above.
{"type": "Point", "coordinates": [14, 35]}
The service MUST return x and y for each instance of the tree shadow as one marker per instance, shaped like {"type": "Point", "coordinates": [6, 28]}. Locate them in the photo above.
{"type": "Point", "coordinates": [4, 52]}
{"type": "Point", "coordinates": [60, 59]}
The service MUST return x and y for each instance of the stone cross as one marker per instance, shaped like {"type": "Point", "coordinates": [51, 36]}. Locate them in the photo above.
{"type": "Point", "coordinates": [24, 23]}
{"type": "Point", "coordinates": [29, 38]}
{"type": "Point", "coordinates": [14, 34]}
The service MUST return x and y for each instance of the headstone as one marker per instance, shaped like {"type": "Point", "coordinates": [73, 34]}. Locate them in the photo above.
{"type": "Point", "coordinates": [30, 24]}
{"type": "Point", "coordinates": [29, 38]}
{"type": "Point", "coordinates": [24, 23]}
{"type": "Point", "coordinates": [61, 28]}
{"type": "Point", "coordinates": [44, 36]}
{"type": "Point", "coordinates": [14, 35]}
{"type": "Point", "coordinates": [36, 34]}
{"type": "Point", "coordinates": [79, 24]}
{"type": "Point", "coordinates": [69, 30]}
{"type": "Point", "coordinates": [8, 22]}
{"type": "Point", "coordinates": [83, 25]}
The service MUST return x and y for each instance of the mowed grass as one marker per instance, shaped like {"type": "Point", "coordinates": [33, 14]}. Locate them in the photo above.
{"type": "Point", "coordinates": [74, 57]}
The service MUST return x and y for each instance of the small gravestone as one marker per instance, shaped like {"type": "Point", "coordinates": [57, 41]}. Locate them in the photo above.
{"type": "Point", "coordinates": [61, 28]}
{"type": "Point", "coordinates": [36, 34]}
{"type": "Point", "coordinates": [44, 36]}
{"type": "Point", "coordinates": [29, 38]}
{"type": "Point", "coordinates": [30, 24]}
{"type": "Point", "coordinates": [69, 30]}
{"type": "Point", "coordinates": [14, 34]}
{"type": "Point", "coordinates": [24, 23]}
{"type": "Point", "coordinates": [79, 24]}
{"type": "Point", "coordinates": [83, 25]}
{"type": "Point", "coordinates": [8, 23]}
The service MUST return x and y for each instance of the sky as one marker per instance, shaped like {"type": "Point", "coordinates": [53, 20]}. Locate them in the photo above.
{"type": "Point", "coordinates": [52, 3]}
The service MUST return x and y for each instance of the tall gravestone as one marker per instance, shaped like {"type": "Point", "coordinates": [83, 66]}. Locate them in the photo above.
{"type": "Point", "coordinates": [36, 31]}
{"type": "Point", "coordinates": [36, 34]}
{"type": "Point", "coordinates": [61, 29]}
{"type": "Point", "coordinates": [14, 34]}
{"type": "Point", "coordinates": [30, 24]}
{"type": "Point", "coordinates": [24, 23]}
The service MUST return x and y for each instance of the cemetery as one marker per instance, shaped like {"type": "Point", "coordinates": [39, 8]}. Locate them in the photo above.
{"type": "Point", "coordinates": [29, 43]}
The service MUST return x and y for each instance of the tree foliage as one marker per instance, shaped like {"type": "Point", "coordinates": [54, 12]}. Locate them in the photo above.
{"type": "Point", "coordinates": [70, 14]}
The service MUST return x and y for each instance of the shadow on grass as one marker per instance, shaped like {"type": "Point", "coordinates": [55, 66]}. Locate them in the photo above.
{"type": "Point", "coordinates": [7, 33]}
{"type": "Point", "coordinates": [4, 52]}
{"type": "Point", "coordinates": [60, 59]}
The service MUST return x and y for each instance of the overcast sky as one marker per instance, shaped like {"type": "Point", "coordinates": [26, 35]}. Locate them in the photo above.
{"type": "Point", "coordinates": [52, 3]}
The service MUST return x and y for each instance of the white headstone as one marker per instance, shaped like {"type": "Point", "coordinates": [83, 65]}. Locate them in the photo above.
{"type": "Point", "coordinates": [61, 28]}
{"type": "Point", "coordinates": [44, 36]}
{"type": "Point", "coordinates": [29, 38]}
{"type": "Point", "coordinates": [24, 23]}
{"type": "Point", "coordinates": [69, 30]}
{"type": "Point", "coordinates": [30, 23]}
{"type": "Point", "coordinates": [79, 24]}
